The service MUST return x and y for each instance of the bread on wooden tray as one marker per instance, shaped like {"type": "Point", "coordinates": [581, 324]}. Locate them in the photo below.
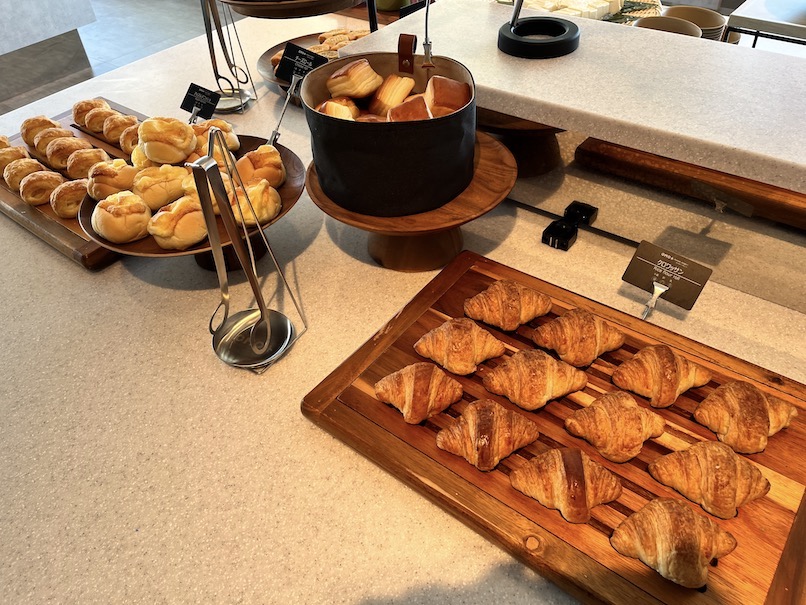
{"type": "Point", "coordinates": [257, 205]}
{"type": "Point", "coordinates": [95, 118]}
{"type": "Point", "coordinates": [158, 186]}
{"type": "Point", "coordinates": [419, 391]}
{"type": "Point", "coordinates": [265, 162]}
{"type": "Point", "coordinates": [59, 150]}
{"type": "Point", "coordinates": [114, 126]}
{"type": "Point", "coordinates": [459, 345]}
{"type": "Point", "coordinates": [202, 132]}
{"type": "Point", "coordinates": [121, 218]}
{"type": "Point", "coordinates": [507, 304]}
{"type": "Point", "coordinates": [33, 126]}
{"type": "Point", "coordinates": [66, 198]}
{"type": "Point", "coordinates": [166, 140]}
{"type": "Point", "coordinates": [9, 154]}
{"type": "Point", "coordinates": [46, 135]}
{"type": "Point", "coordinates": [179, 225]}
{"type": "Point", "coordinates": [17, 170]}
{"type": "Point", "coordinates": [35, 188]}
{"type": "Point", "coordinates": [139, 159]}
{"type": "Point", "coordinates": [106, 178]}
{"type": "Point", "coordinates": [578, 336]}
{"type": "Point", "coordinates": [81, 108]}
{"type": "Point", "coordinates": [129, 139]}
{"type": "Point", "coordinates": [81, 160]}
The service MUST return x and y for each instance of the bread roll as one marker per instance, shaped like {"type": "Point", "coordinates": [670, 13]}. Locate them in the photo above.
{"type": "Point", "coordinates": [189, 188]}
{"type": "Point", "coordinates": [166, 140]}
{"type": "Point", "coordinates": [139, 159]}
{"type": "Point", "coordinates": [159, 185]}
{"type": "Point", "coordinates": [59, 150]}
{"type": "Point", "coordinates": [9, 154]}
{"type": "Point", "coordinates": [115, 124]}
{"type": "Point", "coordinates": [81, 108]}
{"type": "Point", "coordinates": [264, 162]}
{"type": "Point", "coordinates": [45, 136]}
{"type": "Point", "coordinates": [414, 109]}
{"type": "Point", "coordinates": [95, 118]}
{"type": "Point", "coordinates": [128, 139]}
{"type": "Point", "coordinates": [202, 131]}
{"type": "Point", "coordinates": [80, 161]}
{"type": "Point", "coordinates": [348, 103]}
{"type": "Point", "coordinates": [37, 186]}
{"type": "Point", "coordinates": [393, 91]}
{"type": "Point", "coordinates": [66, 198]}
{"type": "Point", "coordinates": [356, 79]}
{"type": "Point", "coordinates": [445, 95]}
{"type": "Point", "coordinates": [330, 33]}
{"type": "Point", "coordinates": [336, 110]}
{"type": "Point", "coordinates": [121, 218]}
{"type": "Point", "coordinates": [265, 201]}
{"type": "Point", "coordinates": [106, 178]}
{"type": "Point", "coordinates": [179, 225]}
{"type": "Point", "coordinates": [4, 142]}
{"type": "Point", "coordinates": [32, 127]}
{"type": "Point", "coordinates": [17, 170]}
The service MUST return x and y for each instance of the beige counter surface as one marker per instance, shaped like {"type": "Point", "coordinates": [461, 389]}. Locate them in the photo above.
{"type": "Point", "coordinates": [137, 468]}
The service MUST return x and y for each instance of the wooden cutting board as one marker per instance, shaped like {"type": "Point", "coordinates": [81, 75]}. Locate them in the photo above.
{"type": "Point", "coordinates": [766, 566]}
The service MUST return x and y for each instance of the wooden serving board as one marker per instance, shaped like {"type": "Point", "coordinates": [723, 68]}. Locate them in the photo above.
{"type": "Point", "coordinates": [766, 566]}
{"type": "Point", "coordinates": [65, 235]}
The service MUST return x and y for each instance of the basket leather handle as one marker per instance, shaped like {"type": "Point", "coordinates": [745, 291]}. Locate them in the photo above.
{"type": "Point", "coordinates": [406, 47]}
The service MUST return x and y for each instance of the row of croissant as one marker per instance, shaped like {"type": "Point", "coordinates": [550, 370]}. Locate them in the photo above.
{"type": "Point", "coordinates": [666, 534]}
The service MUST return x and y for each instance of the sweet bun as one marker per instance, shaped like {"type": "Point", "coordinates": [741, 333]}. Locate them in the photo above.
{"type": "Point", "coordinates": [81, 108]}
{"type": "Point", "coordinates": [166, 140]}
{"type": "Point", "coordinates": [189, 187]}
{"type": "Point", "coordinates": [159, 185]}
{"type": "Point", "coordinates": [67, 197]}
{"type": "Point", "coordinates": [357, 79]}
{"type": "Point", "coordinates": [414, 109]}
{"type": "Point", "coordinates": [128, 139]}
{"type": "Point", "coordinates": [32, 126]}
{"type": "Point", "coordinates": [114, 125]}
{"type": "Point", "coordinates": [121, 218]}
{"type": "Point", "coordinates": [80, 161]}
{"type": "Point", "coordinates": [106, 178]}
{"type": "Point", "coordinates": [179, 225]}
{"type": "Point", "coordinates": [265, 202]}
{"type": "Point", "coordinates": [336, 110]}
{"type": "Point", "coordinates": [445, 95]}
{"type": "Point", "coordinates": [59, 150]}
{"type": "Point", "coordinates": [330, 33]}
{"type": "Point", "coordinates": [4, 142]}
{"type": "Point", "coordinates": [264, 162]}
{"type": "Point", "coordinates": [37, 186]}
{"type": "Point", "coordinates": [139, 159]}
{"type": "Point", "coordinates": [393, 91]}
{"type": "Point", "coordinates": [95, 118]}
{"type": "Point", "coordinates": [46, 135]}
{"type": "Point", "coordinates": [202, 130]}
{"type": "Point", "coordinates": [9, 154]}
{"type": "Point", "coordinates": [17, 170]}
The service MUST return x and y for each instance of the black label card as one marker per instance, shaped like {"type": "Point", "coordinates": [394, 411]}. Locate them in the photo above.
{"type": "Point", "coordinates": [205, 100]}
{"type": "Point", "coordinates": [684, 277]}
{"type": "Point", "coordinates": [405, 11]}
{"type": "Point", "coordinates": [297, 60]}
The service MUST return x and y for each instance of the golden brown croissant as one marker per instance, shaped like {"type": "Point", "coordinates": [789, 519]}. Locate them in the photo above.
{"type": "Point", "coordinates": [659, 373]}
{"type": "Point", "coordinates": [743, 416]}
{"type": "Point", "coordinates": [712, 475]}
{"type": "Point", "coordinates": [615, 425]}
{"type": "Point", "coordinates": [568, 480]}
{"type": "Point", "coordinates": [531, 378]}
{"type": "Point", "coordinates": [487, 432]}
{"type": "Point", "coordinates": [578, 336]}
{"type": "Point", "coordinates": [459, 345]}
{"type": "Point", "coordinates": [419, 391]}
{"type": "Point", "coordinates": [672, 539]}
{"type": "Point", "coordinates": [507, 304]}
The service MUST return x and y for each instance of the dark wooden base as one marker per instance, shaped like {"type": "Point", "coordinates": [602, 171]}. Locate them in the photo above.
{"type": "Point", "coordinates": [414, 253]}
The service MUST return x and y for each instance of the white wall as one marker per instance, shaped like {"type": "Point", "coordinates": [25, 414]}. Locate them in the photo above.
{"type": "Point", "coordinates": [26, 22]}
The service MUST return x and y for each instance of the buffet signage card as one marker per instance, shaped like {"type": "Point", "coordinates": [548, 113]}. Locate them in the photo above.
{"type": "Point", "coordinates": [297, 60]}
{"type": "Point", "coordinates": [200, 102]}
{"type": "Point", "coordinates": [684, 277]}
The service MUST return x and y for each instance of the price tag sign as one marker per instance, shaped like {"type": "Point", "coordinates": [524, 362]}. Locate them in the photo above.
{"type": "Point", "coordinates": [297, 60]}
{"type": "Point", "coordinates": [201, 98]}
{"type": "Point", "coordinates": [684, 277]}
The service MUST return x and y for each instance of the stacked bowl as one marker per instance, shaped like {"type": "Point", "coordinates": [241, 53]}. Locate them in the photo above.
{"type": "Point", "coordinates": [710, 22]}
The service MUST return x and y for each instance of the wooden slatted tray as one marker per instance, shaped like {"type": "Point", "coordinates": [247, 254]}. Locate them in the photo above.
{"type": "Point", "coordinates": [766, 565]}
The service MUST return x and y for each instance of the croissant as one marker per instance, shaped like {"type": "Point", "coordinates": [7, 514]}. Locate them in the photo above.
{"type": "Point", "coordinates": [743, 416]}
{"type": "Point", "coordinates": [531, 378]}
{"type": "Point", "coordinates": [615, 425]}
{"type": "Point", "coordinates": [419, 391]}
{"type": "Point", "coordinates": [712, 475]}
{"type": "Point", "coordinates": [459, 345]}
{"type": "Point", "coordinates": [487, 432]}
{"type": "Point", "coordinates": [568, 480]}
{"type": "Point", "coordinates": [578, 336]}
{"type": "Point", "coordinates": [659, 373]}
{"type": "Point", "coordinates": [672, 539]}
{"type": "Point", "coordinates": [507, 304]}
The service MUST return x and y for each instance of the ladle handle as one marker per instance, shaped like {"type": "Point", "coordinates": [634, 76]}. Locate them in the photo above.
{"type": "Point", "coordinates": [516, 13]}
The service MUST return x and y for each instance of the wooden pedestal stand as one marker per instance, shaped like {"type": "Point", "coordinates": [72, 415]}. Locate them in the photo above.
{"type": "Point", "coordinates": [429, 240]}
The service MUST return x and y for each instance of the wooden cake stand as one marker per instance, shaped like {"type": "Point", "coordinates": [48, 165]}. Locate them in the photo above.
{"type": "Point", "coordinates": [429, 240]}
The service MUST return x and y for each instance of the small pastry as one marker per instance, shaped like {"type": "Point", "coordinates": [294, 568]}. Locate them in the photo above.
{"type": "Point", "coordinates": [59, 150]}
{"type": "Point", "coordinates": [419, 391]}
{"type": "Point", "coordinates": [409, 111]}
{"type": "Point", "coordinates": [139, 159]}
{"type": "Point", "coordinates": [744, 416]}
{"type": "Point", "coordinates": [459, 345]}
{"type": "Point", "coordinates": [264, 199]}
{"type": "Point", "coordinates": [346, 102]}
{"type": "Point", "coordinates": [189, 189]}
{"type": "Point", "coordinates": [486, 433]}
{"type": "Point", "coordinates": [202, 131]}
{"type": "Point", "coordinates": [81, 108]}
{"type": "Point", "coordinates": [17, 170]}
{"type": "Point", "coordinates": [80, 161]}
{"type": "Point", "coordinates": [179, 225]}
{"type": "Point", "coordinates": [36, 188]}
{"type": "Point", "coordinates": [668, 536]}
{"type": "Point", "coordinates": [106, 178]}
{"type": "Point", "coordinates": [356, 34]}
{"type": "Point", "coordinates": [121, 218]}
{"type": "Point", "coordinates": [336, 110]}
{"type": "Point", "coordinates": [659, 373]}
{"type": "Point", "coordinates": [264, 162]}
{"type": "Point", "coordinates": [9, 154]}
{"type": "Point", "coordinates": [330, 33]}
{"type": "Point", "coordinates": [45, 136]}
{"type": "Point", "coordinates": [393, 91]}
{"type": "Point", "coordinates": [95, 118]}
{"type": "Point", "coordinates": [567, 480]}
{"type": "Point", "coordinates": [66, 198]}
{"type": "Point", "coordinates": [166, 140]}
{"type": "Point", "coordinates": [615, 425]}
{"type": "Point", "coordinates": [507, 304]}
{"type": "Point", "coordinates": [529, 379]}
{"type": "Point", "coordinates": [4, 142]}
{"type": "Point", "coordinates": [445, 95]}
{"type": "Point", "coordinates": [115, 124]}
{"type": "Point", "coordinates": [128, 139]}
{"type": "Point", "coordinates": [578, 336]}
{"type": "Point", "coordinates": [357, 79]}
{"type": "Point", "coordinates": [277, 57]}
{"type": "Point", "coordinates": [33, 126]}
{"type": "Point", "coordinates": [335, 40]}
{"type": "Point", "coordinates": [159, 185]}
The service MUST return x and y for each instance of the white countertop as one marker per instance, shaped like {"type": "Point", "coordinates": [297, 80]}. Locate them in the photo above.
{"type": "Point", "coordinates": [138, 468]}
{"type": "Point", "coordinates": [785, 17]}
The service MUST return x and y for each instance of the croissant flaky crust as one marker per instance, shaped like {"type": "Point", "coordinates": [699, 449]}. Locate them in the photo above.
{"type": "Point", "coordinates": [487, 432]}
{"type": "Point", "coordinates": [743, 416]}
{"type": "Point", "coordinates": [578, 336]}
{"type": "Point", "coordinates": [660, 374]}
{"type": "Point", "coordinates": [507, 304]}
{"type": "Point", "coordinates": [615, 425]}
{"type": "Point", "coordinates": [419, 391]}
{"type": "Point", "coordinates": [531, 378]}
{"type": "Point", "coordinates": [459, 345]}
{"type": "Point", "coordinates": [568, 480]}
{"type": "Point", "coordinates": [672, 539]}
{"type": "Point", "coordinates": [712, 475]}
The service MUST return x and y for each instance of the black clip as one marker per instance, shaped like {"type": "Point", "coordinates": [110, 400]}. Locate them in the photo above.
{"type": "Point", "coordinates": [562, 233]}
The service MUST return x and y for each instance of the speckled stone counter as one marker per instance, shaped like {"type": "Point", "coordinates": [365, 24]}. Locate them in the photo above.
{"type": "Point", "coordinates": [138, 468]}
